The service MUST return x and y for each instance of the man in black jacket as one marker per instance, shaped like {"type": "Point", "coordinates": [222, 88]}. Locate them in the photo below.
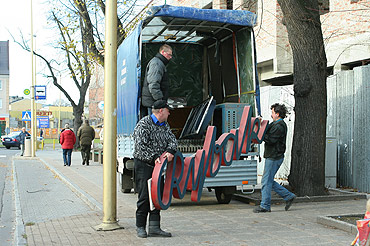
{"type": "Point", "coordinates": [156, 83]}
{"type": "Point", "coordinates": [275, 138]}
{"type": "Point", "coordinates": [153, 137]}
{"type": "Point", "coordinates": [86, 135]}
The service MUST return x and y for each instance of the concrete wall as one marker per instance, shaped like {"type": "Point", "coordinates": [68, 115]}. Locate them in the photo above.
{"type": "Point", "coordinates": [269, 96]}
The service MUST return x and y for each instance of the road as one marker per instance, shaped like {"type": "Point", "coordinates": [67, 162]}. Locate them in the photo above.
{"type": "Point", "coordinates": [7, 210]}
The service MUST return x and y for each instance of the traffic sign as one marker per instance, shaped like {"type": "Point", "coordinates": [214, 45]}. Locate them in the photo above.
{"type": "Point", "coordinates": [26, 115]}
{"type": "Point", "coordinates": [26, 91]}
{"type": "Point", "coordinates": [43, 122]}
{"type": "Point", "coordinates": [40, 92]}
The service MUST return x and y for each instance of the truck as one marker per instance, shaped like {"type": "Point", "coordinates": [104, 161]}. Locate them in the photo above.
{"type": "Point", "coordinates": [213, 77]}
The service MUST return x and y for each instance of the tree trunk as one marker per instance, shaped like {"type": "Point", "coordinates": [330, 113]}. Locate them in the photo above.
{"type": "Point", "coordinates": [77, 121]}
{"type": "Point", "coordinates": [302, 20]}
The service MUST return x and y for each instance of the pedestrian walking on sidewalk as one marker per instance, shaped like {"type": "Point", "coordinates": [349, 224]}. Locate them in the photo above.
{"type": "Point", "coordinates": [22, 137]}
{"type": "Point", "coordinates": [153, 137]}
{"type": "Point", "coordinates": [67, 140]}
{"type": "Point", "coordinates": [275, 139]}
{"type": "Point", "coordinates": [86, 135]}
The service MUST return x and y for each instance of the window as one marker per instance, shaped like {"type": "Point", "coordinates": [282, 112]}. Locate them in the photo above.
{"type": "Point", "coordinates": [324, 6]}
{"type": "Point", "coordinates": [229, 4]}
{"type": "Point", "coordinates": [1, 84]}
{"type": "Point", "coordinates": [1, 103]}
{"type": "Point", "coordinates": [250, 5]}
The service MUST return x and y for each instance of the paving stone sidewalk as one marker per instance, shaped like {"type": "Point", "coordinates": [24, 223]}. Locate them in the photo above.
{"type": "Point", "coordinates": [203, 223]}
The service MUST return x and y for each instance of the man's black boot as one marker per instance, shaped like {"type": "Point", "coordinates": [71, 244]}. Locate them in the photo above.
{"type": "Point", "coordinates": [141, 232]}
{"type": "Point", "coordinates": [156, 231]}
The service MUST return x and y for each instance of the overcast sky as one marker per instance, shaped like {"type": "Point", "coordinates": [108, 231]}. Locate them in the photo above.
{"type": "Point", "coordinates": [15, 17]}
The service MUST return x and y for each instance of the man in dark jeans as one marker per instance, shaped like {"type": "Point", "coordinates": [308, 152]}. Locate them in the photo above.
{"type": "Point", "coordinates": [275, 138]}
{"type": "Point", "coordinates": [86, 135]}
{"type": "Point", "coordinates": [153, 137]}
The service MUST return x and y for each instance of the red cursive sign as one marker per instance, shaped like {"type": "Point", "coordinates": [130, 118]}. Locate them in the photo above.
{"type": "Point", "coordinates": [189, 173]}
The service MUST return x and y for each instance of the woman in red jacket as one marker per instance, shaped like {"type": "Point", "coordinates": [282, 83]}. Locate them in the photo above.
{"type": "Point", "coordinates": [67, 140]}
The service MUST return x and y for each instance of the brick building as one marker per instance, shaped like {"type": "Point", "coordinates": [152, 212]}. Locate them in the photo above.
{"type": "Point", "coordinates": [96, 96]}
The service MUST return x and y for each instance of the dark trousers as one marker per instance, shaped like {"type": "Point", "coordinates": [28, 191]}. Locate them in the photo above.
{"type": "Point", "coordinates": [85, 153]}
{"type": "Point", "coordinates": [144, 111]}
{"type": "Point", "coordinates": [67, 153]}
{"type": "Point", "coordinates": [143, 172]}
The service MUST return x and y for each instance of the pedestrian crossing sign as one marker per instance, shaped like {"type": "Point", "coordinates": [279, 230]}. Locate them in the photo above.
{"type": "Point", "coordinates": [26, 115]}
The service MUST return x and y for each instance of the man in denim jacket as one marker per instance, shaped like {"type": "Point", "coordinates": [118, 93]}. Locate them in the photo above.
{"type": "Point", "coordinates": [275, 139]}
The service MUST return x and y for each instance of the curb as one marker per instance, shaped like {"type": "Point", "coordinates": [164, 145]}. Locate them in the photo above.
{"type": "Point", "coordinates": [328, 221]}
{"type": "Point", "coordinates": [89, 200]}
{"type": "Point", "coordinates": [19, 224]}
{"type": "Point", "coordinates": [343, 195]}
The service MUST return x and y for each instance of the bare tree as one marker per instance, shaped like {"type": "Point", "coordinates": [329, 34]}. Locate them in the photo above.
{"type": "Point", "coordinates": [78, 62]}
{"type": "Point", "coordinates": [302, 20]}
{"type": "Point", "coordinates": [129, 12]}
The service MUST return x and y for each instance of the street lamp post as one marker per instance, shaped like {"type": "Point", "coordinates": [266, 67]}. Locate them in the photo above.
{"type": "Point", "coordinates": [33, 110]}
{"type": "Point", "coordinates": [110, 121]}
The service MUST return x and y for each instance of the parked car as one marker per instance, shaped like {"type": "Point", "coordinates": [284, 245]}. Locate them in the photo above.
{"type": "Point", "coordinates": [11, 140]}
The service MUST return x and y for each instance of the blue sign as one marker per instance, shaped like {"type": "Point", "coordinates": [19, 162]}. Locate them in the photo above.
{"type": "Point", "coordinates": [40, 92]}
{"type": "Point", "coordinates": [26, 115]}
{"type": "Point", "coordinates": [43, 122]}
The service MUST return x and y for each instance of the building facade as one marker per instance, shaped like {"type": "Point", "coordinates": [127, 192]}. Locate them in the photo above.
{"type": "Point", "coordinates": [4, 86]}
{"type": "Point", "coordinates": [96, 96]}
{"type": "Point", "coordinates": [345, 28]}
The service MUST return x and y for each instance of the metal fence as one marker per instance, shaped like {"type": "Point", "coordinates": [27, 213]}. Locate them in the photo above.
{"type": "Point", "coordinates": [348, 120]}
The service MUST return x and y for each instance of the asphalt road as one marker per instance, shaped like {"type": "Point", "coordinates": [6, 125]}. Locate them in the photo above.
{"type": "Point", "coordinates": [7, 210]}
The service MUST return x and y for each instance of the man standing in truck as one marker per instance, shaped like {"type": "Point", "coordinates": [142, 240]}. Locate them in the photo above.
{"type": "Point", "coordinates": [152, 137]}
{"type": "Point", "coordinates": [275, 139]}
{"type": "Point", "coordinates": [156, 83]}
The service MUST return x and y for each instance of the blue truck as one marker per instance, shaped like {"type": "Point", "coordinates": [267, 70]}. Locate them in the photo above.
{"type": "Point", "coordinates": [212, 76]}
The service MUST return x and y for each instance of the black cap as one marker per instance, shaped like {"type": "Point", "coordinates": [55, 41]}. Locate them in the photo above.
{"type": "Point", "coordinates": [161, 104]}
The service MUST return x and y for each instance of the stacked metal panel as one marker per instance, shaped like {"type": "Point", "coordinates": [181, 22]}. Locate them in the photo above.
{"type": "Point", "coordinates": [348, 121]}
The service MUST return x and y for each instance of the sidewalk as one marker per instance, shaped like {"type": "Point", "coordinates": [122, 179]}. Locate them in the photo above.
{"type": "Point", "coordinates": [68, 217]}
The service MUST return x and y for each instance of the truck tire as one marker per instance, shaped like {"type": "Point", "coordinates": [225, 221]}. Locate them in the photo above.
{"type": "Point", "coordinates": [126, 182]}
{"type": "Point", "coordinates": [224, 194]}
{"type": "Point", "coordinates": [126, 190]}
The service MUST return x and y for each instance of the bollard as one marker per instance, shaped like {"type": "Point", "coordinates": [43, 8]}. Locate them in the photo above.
{"type": "Point", "coordinates": [42, 144]}
{"type": "Point", "coordinates": [53, 144]}
{"type": "Point", "coordinates": [27, 147]}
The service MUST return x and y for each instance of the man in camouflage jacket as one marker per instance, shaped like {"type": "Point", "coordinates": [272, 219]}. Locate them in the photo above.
{"type": "Point", "coordinates": [153, 137]}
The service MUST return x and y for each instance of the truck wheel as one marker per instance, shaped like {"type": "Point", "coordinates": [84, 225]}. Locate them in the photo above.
{"type": "Point", "coordinates": [8, 147]}
{"type": "Point", "coordinates": [224, 194]}
{"type": "Point", "coordinates": [126, 183]}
